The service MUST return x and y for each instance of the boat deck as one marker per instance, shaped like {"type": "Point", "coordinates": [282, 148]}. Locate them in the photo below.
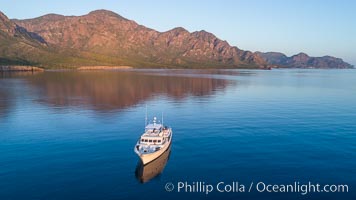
{"type": "Point", "coordinates": [156, 133]}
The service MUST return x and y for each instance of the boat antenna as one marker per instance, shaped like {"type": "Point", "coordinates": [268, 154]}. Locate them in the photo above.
{"type": "Point", "coordinates": [146, 117]}
{"type": "Point", "coordinates": [162, 118]}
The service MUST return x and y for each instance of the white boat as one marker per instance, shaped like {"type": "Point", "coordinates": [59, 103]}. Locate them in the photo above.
{"type": "Point", "coordinates": [154, 141]}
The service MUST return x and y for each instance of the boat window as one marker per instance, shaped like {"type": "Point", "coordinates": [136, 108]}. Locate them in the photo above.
{"type": "Point", "coordinates": [142, 140]}
{"type": "Point", "coordinates": [159, 141]}
{"type": "Point", "coordinates": [150, 141]}
{"type": "Point", "coordinates": [146, 140]}
{"type": "Point", "coordinates": [154, 141]}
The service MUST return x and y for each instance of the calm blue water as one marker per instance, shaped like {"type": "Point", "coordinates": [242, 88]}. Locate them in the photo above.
{"type": "Point", "coordinates": [70, 135]}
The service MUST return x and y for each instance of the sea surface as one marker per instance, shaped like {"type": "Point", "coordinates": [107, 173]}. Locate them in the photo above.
{"type": "Point", "coordinates": [71, 135]}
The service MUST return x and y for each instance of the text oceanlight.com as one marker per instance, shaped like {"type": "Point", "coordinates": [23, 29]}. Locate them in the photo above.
{"type": "Point", "coordinates": [261, 187]}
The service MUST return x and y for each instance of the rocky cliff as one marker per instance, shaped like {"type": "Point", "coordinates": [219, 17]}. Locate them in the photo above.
{"type": "Point", "coordinates": [16, 43]}
{"type": "Point", "coordinates": [18, 46]}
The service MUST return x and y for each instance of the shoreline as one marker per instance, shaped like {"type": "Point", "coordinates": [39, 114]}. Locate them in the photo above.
{"type": "Point", "coordinates": [20, 68]}
{"type": "Point", "coordinates": [26, 68]}
{"type": "Point", "coordinates": [102, 67]}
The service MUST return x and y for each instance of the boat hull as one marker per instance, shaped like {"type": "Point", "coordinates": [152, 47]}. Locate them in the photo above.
{"type": "Point", "coordinates": [147, 172]}
{"type": "Point", "coordinates": [147, 158]}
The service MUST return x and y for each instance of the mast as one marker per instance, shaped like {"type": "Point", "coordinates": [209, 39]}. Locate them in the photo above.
{"type": "Point", "coordinates": [162, 119]}
{"type": "Point", "coordinates": [146, 117]}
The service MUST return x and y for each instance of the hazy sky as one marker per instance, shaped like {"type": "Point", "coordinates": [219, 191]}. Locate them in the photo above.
{"type": "Point", "coordinates": [316, 27]}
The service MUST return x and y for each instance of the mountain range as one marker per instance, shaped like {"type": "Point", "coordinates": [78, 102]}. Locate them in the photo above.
{"type": "Point", "coordinates": [302, 60]}
{"type": "Point", "coordinates": [103, 37]}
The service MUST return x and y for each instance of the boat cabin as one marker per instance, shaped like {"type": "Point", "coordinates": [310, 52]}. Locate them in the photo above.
{"type": "Point", "coordinates": [153, 135]}
{"type": "Point", "coordinates": [151, 140]}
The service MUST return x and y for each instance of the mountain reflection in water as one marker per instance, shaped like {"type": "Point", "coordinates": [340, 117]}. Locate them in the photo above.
{"type": "Point", "coordinates": [110, 90]}
{"type": "Point", "coordinates": [145, 173]}
{"type": "Point", "coordinates": [9, 86]}
{"type": "Point", "coordinates": [5, 101]}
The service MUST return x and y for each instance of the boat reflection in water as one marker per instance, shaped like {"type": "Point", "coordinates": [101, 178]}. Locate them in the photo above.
{"type": "Point", "coordinates": [145, 173]}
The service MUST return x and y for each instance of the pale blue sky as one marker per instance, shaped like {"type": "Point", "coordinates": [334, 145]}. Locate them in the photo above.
{"type": "Point", "coordinates": [316, 27]}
